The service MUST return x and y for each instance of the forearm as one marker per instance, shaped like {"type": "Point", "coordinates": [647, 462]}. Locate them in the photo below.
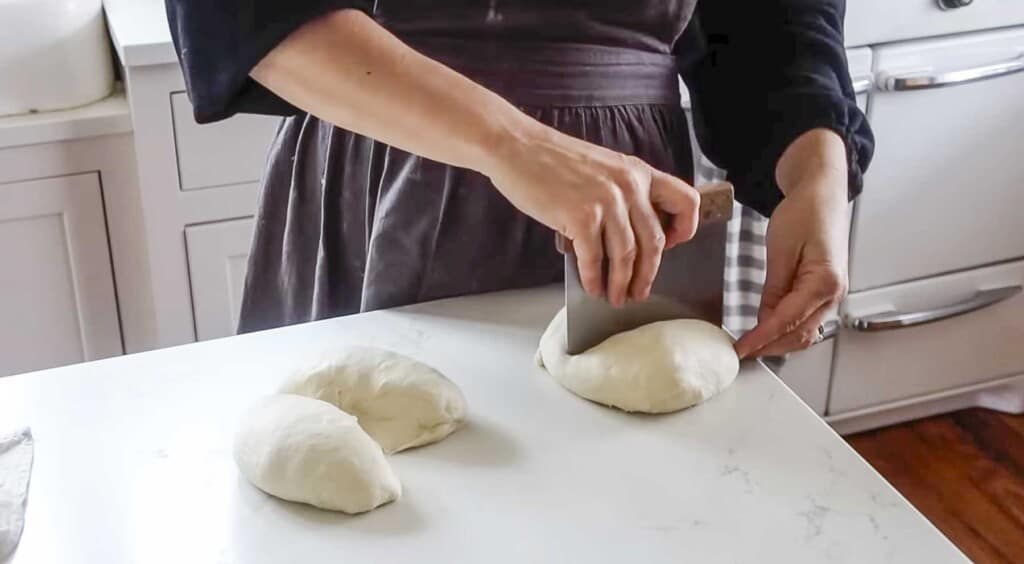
{"type": "Point", "coordinates": [817, 155]}
{"type": "Point", "coordinates": [348, 70]}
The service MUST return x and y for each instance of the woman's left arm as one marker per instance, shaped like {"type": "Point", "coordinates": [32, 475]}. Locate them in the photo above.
{"type": "Point", "coordinates": [775, 107]}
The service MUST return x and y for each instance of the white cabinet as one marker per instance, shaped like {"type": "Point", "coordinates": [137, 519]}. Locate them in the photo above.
{"type": "Point", "coordinates": [929, 336]}
{"type": "Point", "coordinates": [944, 192]}
{"type": "Point", "coordinates": [189, 175]}
{"type": "Point", "coordinates": [56, 285]}
{"type": "Point", "coordinates": [218, 254]}
{"type": "Point", "coordinates": [807, 374]}
{"type": "Point", "coordinates": [229, 152]}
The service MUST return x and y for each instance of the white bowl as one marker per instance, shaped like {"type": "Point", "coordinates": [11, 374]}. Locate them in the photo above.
{"type": "Point", "coordinates": [54, 54]}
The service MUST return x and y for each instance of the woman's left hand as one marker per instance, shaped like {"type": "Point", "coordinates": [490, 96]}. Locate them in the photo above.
{"type": "Point", "coordinates": [807, 248]}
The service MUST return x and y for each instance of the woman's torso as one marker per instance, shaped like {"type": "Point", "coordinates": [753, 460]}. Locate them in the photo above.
{"type": "Point", "coordinates": [646, 25]}
{"type": "Point", "coordinates": [349, 224]}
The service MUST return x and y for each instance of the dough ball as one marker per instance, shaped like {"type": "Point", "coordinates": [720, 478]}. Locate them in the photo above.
{"type": "Point", "coordinates": [401, 402]}
{"type": "Point", "coordinates": [656, 368]}
{"type": "Point", "coordinates": [306, 450]}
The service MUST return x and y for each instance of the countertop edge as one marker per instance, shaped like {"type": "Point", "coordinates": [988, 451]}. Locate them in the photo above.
{"type": "Point", "coordinates": [136, 52]}
{"type": "Point", "coordinates": [109, 116]}
{"type": "Point", "coordinates": [147, 54]}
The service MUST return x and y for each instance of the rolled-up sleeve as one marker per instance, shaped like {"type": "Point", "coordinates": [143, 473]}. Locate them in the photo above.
{"type": "Point", "coordinates": [219, 42]}
{"type": "Point", "coordinates": [762, 73]}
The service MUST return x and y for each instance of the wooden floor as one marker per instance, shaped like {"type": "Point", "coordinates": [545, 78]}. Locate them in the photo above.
{"type": "Point", "coordinates": [964, 471]}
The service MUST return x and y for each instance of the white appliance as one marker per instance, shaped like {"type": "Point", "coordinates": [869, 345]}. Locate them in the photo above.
{"type": "Point", "coordinates": [871, 22]}
{"type": "Point", "coordinates": [946, 187]}
{"type": "Point", "coordinates": [935, 319]}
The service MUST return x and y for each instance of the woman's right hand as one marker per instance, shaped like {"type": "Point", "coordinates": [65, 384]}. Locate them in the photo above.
{"type": "Point", "coordinates": [605, 203]}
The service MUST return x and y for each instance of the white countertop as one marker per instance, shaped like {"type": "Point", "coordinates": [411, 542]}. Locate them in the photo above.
{"type": "Point", "coordinates": [105, 117]}
{"type": "Point", "coordinates": [133, 462]}
{"type": "Point", "coordinates": [140, 32]}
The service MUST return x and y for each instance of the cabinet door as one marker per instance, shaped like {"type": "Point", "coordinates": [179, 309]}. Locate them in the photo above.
{"type": "Point", "coordinates": [56, 284]}
{"type": "Point", "coordinates": [218, 254]}
{"type": "Point", "coordinates": [229, 152]}
{"type": "Point", "coordinates": [807, 373]}
{"type": "Point", "coordinates": [929, 336]}
{"type": "Point", "coordinates": [944, 191]}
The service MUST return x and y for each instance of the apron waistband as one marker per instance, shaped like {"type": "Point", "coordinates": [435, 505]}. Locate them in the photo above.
{"type": "Point", "coordinates": [560, 74]}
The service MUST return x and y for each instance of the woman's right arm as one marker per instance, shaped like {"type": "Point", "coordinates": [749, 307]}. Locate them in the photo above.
{"type": "Point", "coordinates": [348, 70]}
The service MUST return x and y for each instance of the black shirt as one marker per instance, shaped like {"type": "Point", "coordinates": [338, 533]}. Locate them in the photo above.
{"type": "Point", "coordinates": [760, 72]}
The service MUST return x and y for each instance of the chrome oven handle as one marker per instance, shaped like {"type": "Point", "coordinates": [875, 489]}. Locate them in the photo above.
{"type": "Point", "coordinates": [862, 85]}
{"type": "Point", "coordinates": [896, 320]}
{"type": "Point", "coordinates": [829, 329]}
{"type": "Point", "coordinates": [925, 80]}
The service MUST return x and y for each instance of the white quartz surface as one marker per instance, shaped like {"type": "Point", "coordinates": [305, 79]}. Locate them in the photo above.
{"type": "Point", "coordinates": [105, 117]}
{"type": "Point", "coordinates": [140, 32]}
{"type": "Point", "coordinates": [133, 462]}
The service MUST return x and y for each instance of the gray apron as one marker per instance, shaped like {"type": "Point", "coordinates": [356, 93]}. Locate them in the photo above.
{"type": "Point", "coordinates": [346, 224]}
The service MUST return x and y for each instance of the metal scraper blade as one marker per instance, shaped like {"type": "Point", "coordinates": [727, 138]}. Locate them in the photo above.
{"type": "Point", "coordinates": [689, 283]}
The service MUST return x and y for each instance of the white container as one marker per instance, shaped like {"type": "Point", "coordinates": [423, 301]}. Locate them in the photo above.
{"type": "Point", "coordinates": [54, 54]}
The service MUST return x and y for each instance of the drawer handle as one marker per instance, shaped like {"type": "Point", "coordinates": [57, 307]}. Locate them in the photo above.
{"type": "Point", "coordinates": [895, 320]}
{"type": "Point", "coordinates": [862, 85]}
{"type": "Point", "coordinates": [829, 329]}
{"type": "Point", "coordinates": [921, 81]}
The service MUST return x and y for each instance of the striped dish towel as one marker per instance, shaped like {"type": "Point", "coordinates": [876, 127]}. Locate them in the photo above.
{"type": "Point", "coordinates": [744, 258]}
{"type": "Point", "coordinates": [744, 269]}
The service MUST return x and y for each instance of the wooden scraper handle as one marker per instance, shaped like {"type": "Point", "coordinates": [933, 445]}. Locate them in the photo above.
{"type": "Point", "coordinates": [715, 206]}
{"type": "Point", "coordinates": [715, 201]}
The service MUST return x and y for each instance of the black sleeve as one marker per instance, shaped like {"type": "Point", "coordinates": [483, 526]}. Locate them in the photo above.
{"type": "Point", "coordinates": [762, 73]}
{"type": "Point", "coordinates": [219, 41]}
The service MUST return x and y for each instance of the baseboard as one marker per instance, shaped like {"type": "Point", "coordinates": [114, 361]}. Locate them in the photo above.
{"type": "Point", "coordinates": [1008, 399]}
{"type": "Point", "coordinates": [1005, 394]}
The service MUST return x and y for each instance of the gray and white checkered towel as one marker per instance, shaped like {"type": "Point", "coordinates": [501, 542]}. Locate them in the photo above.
{"type": "Point", "coordinates": [744, 269]}
{"type": "Point", "coordinates": [744, 258]}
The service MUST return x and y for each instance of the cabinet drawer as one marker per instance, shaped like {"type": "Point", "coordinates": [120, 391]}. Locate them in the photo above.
{"type": "Point", "coordinates": [883, 21]}
{"type": "Point", "coordinates": [981, 342]}
{"type": "Point", "coordinates": [228, 152]}
{"type": "Point", "coordinates": [218, 254]}
{"type": "Point", "coordinates": [944, 190]}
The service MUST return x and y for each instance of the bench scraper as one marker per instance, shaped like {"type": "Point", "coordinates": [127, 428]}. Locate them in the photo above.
{"type": "Point", "coordinates": [689, 283]}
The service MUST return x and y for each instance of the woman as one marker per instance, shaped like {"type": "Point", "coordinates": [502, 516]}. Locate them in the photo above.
{"type": "Point", "coordinates": [432, 147]}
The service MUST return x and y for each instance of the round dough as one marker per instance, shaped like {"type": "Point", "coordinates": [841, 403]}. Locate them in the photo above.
{"type": "Point", "coordinates": [401, 402]}
{"type": "Point", "coordinates": [656, 368]}
{"type": "Point", "coordinates": [306, 450]}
